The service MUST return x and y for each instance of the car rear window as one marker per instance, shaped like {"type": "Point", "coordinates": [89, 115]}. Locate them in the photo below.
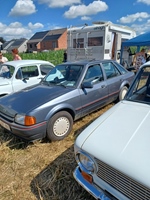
{"type": "Point", "coordinates": [45, 69]}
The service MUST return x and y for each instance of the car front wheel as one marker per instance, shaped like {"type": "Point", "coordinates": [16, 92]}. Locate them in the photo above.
{"type": "Point", "coordinates": [59, 126]}
{"type": "Point", "coordinates": [122, 93]}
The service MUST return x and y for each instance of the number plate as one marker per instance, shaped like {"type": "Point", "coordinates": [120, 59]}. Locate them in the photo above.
{"type": "Point", "coordinates": [5, 125]}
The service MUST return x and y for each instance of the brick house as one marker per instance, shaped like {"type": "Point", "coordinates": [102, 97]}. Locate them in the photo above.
{"type": "Point", "coordinates": [33, 43]}
{"type": "Point", "coordinates": [48, 40]}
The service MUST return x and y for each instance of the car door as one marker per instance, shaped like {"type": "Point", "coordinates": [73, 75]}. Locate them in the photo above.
{"type": "Point", "coordinates": [26, 76]}
{"type": "Point", "coordinates": [113, 78]}
{"type": "Point", "coordinates": [96, 96]}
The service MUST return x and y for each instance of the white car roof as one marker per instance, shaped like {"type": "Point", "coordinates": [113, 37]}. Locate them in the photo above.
{"type": "Point", "coordinates": [17, 63]}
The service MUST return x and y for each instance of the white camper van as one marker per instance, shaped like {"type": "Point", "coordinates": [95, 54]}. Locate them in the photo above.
{"type": "Point", "coordinates": [102, 40]}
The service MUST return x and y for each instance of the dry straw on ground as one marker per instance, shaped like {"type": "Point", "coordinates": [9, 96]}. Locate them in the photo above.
{"type": "Point", "coordinates": [41, 170]}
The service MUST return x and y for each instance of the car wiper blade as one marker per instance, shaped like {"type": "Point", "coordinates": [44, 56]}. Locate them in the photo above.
{"type": "Point", "coordinates": [60, 84]}
{"type": "Point", "coordinates": [46, 83]}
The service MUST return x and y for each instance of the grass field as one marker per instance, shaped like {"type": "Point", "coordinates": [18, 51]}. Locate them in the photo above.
{"type": "Point", "coordinates": [41, 170]}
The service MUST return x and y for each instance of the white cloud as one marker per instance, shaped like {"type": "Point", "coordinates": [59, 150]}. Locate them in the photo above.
{"type": "Point", "coordinates": [85, 18]}
{"type": "Point", "coordinates": [15, 25]}
{"type": "Point", "coordinates": [141, 28]}
{"type": "Point", "coordinates": [22, 8]}
{"type": "Point", "coordinates": [147, 2]}
{"type": "Point", "coordinates": [134, 17]}
{"type": "Point", "coordinates": [2, 26]}
{"type": "Point", "coordinates": [35, 26]}
{"type": "Point", "coordinates": [82, 10]}
{"type": "Point", "coordinates": [14, 31]}
{"type": "Point", "coordinates": [56, 3]}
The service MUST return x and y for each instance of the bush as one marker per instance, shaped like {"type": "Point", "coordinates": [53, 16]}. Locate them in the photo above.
{"type": "Point", "coordinates": [55, 57]}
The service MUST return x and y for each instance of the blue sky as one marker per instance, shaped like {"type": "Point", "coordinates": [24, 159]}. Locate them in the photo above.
{"type": "Point", "coordinates": [23, 18]}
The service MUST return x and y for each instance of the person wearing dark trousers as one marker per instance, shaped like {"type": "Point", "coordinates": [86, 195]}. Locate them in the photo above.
{"type": "Point", "coordinates": [65, 56]}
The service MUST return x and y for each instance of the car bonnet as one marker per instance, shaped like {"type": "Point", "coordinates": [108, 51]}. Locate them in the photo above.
{"type": "Point", "coordinates": [121, 139]}
{"type": "Point", "coordinates": [28, 99]}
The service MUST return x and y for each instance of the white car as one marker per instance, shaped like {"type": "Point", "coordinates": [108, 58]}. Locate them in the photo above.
{"type": "Point", "coordinates": [19, 74]}
{"type": "Point", "coordinates": [113, 152]}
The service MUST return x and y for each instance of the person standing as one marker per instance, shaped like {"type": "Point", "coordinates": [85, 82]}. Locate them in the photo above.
{"type": "Point", "coordinates": [65, 56]}
{"type": "Point", "coordinates": [15, 54]}
{"type": "Point", "coordinates": [2, 58]}
{"type": "Point", "coordinates": [139, 59]}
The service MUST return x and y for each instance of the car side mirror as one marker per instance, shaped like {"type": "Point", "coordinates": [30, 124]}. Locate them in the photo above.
{"type": "Point", "coordinates": [25, 78]}
{"type": "Point", "coordinates": [87, 85]}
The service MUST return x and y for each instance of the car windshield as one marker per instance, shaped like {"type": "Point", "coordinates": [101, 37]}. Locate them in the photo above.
{"type": "Point", "coordinates": [140, 89]}
{"type": "Point", "coordinates": [64, 75]}
{"type": "Point", "coordinates": [6, 71]}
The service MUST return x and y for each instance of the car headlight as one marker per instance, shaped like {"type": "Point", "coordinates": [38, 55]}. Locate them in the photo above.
{"type": "Point", "coordinates": [86, 162]}
{"type": "Point", "coordinates": [25, 120]}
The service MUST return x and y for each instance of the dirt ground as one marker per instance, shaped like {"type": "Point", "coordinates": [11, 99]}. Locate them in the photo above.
{"type": "Point", "coordinates": [41, 170]}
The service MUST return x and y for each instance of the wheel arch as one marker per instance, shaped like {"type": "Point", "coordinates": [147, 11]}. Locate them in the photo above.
{"type": "Point", "coordinates": [125, 84]}
{"type": "Point", "coordinates": [61, 107]}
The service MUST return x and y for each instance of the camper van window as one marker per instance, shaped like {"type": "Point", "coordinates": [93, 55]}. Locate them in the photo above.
{"type": "Point", "coordinates": [95, 41]}
{"type": "Point", "coordinates": [78, 43]}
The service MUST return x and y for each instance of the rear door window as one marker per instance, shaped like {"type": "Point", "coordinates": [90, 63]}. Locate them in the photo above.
{"type": "Point", "coordinates": [45, 69]}
{"type": "Point", "coordinates": [110, 70]}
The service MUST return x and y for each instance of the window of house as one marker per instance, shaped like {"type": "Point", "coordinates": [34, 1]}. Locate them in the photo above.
{"type": "Point", "coordinates": [95, 41]}
{"type": "Point", "coordinates": [31, 46]}
{"type": "Point", "coordinates": [54, 44]}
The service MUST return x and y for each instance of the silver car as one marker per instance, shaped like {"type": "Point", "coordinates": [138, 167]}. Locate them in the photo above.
{"type": "Point", "coordinates": [67, 93]}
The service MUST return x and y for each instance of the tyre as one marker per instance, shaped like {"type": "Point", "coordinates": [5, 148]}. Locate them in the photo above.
{"type": "Point", "coordinates": [59, 126]}
{"type": "Point", "coordinates": [122, 93]}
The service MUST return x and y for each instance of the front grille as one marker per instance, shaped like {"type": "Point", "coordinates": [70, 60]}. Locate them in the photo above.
{"type": "Point", "coordinates": [7, 113]}
{"type": "Point", "coordinates": [124, 184]}
{"type": "Point", "coordinates": [6, 117]}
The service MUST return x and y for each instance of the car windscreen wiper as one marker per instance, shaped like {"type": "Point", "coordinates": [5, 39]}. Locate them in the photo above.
{"type": "Point", "coordinates": [46, 83]}
{"type": "Point", "coordinates": [61, 84]}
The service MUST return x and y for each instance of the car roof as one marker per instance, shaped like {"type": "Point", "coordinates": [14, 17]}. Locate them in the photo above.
{"type": "Point", "coordinates": [16, 63]}
{"type": "Point", "coordinates": [146, 64]}
{"type": "Point", "coordinates": [84, 62]}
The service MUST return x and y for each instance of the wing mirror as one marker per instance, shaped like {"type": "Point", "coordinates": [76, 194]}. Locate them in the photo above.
{"type": "Point", "coordinates": [87, 85]}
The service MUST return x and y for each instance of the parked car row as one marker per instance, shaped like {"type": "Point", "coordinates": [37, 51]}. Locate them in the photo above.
{"type": "Point", "coordinates": [112, 153]}
{"type": "Point", "coordinates": [68, 92]}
